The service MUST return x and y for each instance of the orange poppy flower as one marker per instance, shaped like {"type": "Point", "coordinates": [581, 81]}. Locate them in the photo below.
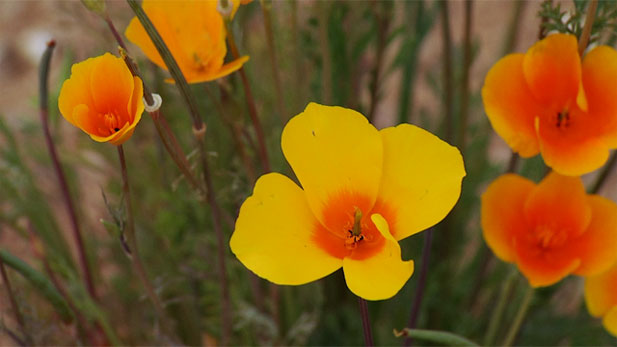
{"type": "Point", "coordinates": [547, 101]}
{"type": "Point", "coordinates": [362, 191]}
{"type": "Point", "coordinates": [551, 229]}
{"type": "Point", "coordinates": [103, 99]}
{"type": "Point", "coordinates": [601, 298]}
{"type": "Point", "coordinates": [194, 32]}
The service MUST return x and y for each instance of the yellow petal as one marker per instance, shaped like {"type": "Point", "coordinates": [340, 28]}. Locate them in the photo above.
{"type": "Point", "coordinates": [610, 321]}
{"type": "Point", "coordinates": [206, 76]}
{"type": "Point", "coordinates": [381, 276]}
{"type": "Point", "coordinates": [333, 151]}
{"type": "Point", "coordinates": [421, 179]}
{"type": "Point", "coordinates": [274, 234]}
{"type": "Point", "coordinates": [600, 293]}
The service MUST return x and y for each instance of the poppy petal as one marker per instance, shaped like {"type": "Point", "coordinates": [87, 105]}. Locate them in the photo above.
{"type": "Point", "coordinates": [610, 321]}
{"type": "Point", "coordinates": [421, 179]}
{"type": "Point", "coordinates": [334, 152]}
{"type": "Point", "coordinates": [552, 69]}
{"type": "Point", "coordinates": [76, 90]}
{"type": "Point", "coordinates": [225, 70]}
{"type": "Point", "coordinates": [541, 267]}
{"type": "Point", "coordinates": [510, 106]}
{"type": "Point", "coordinates": [600, 294]}
{"type": "Point", "coordinates": [273, 234]}
{"type": "Point", "coordinates": [600, 84]}
{"type": "Point", "coordinates": [111, 97]}
{"type": "Point", "coordinates": [502, 213]}
{"type": "Point", "coordinates": [598, 245]}
{"type": "Point", "coordinates": [381, 276]}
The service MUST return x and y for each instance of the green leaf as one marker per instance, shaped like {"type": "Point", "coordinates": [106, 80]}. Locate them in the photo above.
{"type": "Point", "coordinates": [442, 338]}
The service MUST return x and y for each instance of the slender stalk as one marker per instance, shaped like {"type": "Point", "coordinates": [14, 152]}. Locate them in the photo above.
{"type": "Point", "coordinates": [419, 294]}
{"type": "Point", "coordinates": [465, 80]}
{"type": "Point", "coordinates": [366, 323]}
{"type": "Point", "coordinates": [115, 33]}
{"type": "Point", "coordinates": [604, 174]}
{"type": "Point", "coordinates": [512, 36]}
{"type": "Point", "coordinates": [519, 318]}
{"type": "Point", "coordinates": [438, 338]}
{"type": "Point", "coordinates": [497, 316]}
{"type": "Point", "coordinates": [447, 70]}
{"type": "Point", "coordinates": [266, 9]}
{"type": "Point", "coordinates": [382, 20]}
{"type": "Point", "coordinates": [586, 34]}
{"type": "Point", "coordinates": [250, 101]}
{"type": "Point", "coordinates": [132, 242]}
{"type": "Point", "coordinates": [64, 187]}
{"type": "Point", "coordinates": [11, 295]}
{"type": "Point", "coordinates": [299, 94]}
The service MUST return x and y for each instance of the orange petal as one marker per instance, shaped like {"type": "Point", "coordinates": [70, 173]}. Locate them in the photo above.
{"type": "Point", "coordinates": [544, 267]}
{"type": "Point", "coordinates": [76, 90]}
{"type": "Point", "coordinates": [502, 213]}
{"type": "Point", "coordinates": [112, 85]}
{"type": "Point", "coordinates": [575, 150]}
{"type": "Point", "coordinates": [559, 202]}
{"type": "Point", "coordinates": [600, 83]}
{"type": "Point", "coordinates": [598, 245]}
{"type": "Point", "coordinates": [206, 76]}
{"type": "Point", "coordinates": [600, 293]}
{"type": "Point", "coordinates": [552, 69]}
{"type": "Point", "coordinates": [510, 106]}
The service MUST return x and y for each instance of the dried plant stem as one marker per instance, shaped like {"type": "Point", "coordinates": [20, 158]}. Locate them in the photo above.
{"type": "Point", "coordinates": [419, 294]}
{"type": "Point", "coordinates": [366, 323]}
{"type": "Point", "coordinates": [519, 318]}
{"type": "Point", "coordinates": [11, 295]}
{"type": "Point", "coordinates": [131, 241]}
{"type": "Point", "coordinates": [465, 80]}
{"type": "Point", "coordinates": [586, 34]}
{"type": "Point", "coordinates": [114, 32]}
{"type": "Point", "coordinates": [250, 101]}
{"type": "Point", "coordinates": [266, 8]}
{"type": "Point", "coordinates": [497, 316]}
{"type": "Point", "coordinates": [324, 44]}
{"type": "Point", "coordinates": [64, 187]}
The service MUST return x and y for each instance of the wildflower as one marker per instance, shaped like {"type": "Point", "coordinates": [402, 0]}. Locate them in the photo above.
{"type": "Point", "coordinates": [103, 99]}
{"type": "Point", "coordinates": [549, 230]}
{"type": "Point", "coordinates": [194, 32]}
{"type": "Point", "coordinates": [362, 191]}
{"type": "Point", "coordinates": [547, 101]}
{"type": "Point", "coordinates": [601, 298]}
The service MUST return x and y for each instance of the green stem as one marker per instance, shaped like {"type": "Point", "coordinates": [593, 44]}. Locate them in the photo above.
{"type": "Point", "coordinates": [132, 242]}
{"type": "Point", "coordinates": [11, 295]}
{"type": "Point", "coordinates": [447, 70]}
{"type": "Point", "coordinates": [266, 8]}
{"type": "Point", "coordinates": [326, 70]}
{"type": "Point", "coordinates": [440, 338]}
{"type": "Point", "coordinates": [497, 316]}
{"type": "Point", "coordinates": [519, 318]}
{"type": "Point", "coordinates": [465, 80]}
{"type": "Point", "coordinates": [382, 23]}
{"type": "Point", "coordinates": [608, 168]}
{"type": "Point", "coordinates": [40, 283]}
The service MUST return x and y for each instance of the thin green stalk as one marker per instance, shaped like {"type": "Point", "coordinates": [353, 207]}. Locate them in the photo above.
{"type": "Point", "coordinates": [266, 8]}
{"type": "Point", "coordinates": [512, 35]}
{"type": "Point", "coordinates": [497, 316]}
{"type": "Point", "coordinates": [326, 68]}
{"type": "Point", "coordinates": [299, 94]}
{"type": "Point", "coordinates": [132, 242]}
{"type": "Point", "coordinates": [382, 22]}
{"type": "Point", "coordinates": [604, 174]}
{"type": "Point", "coordinates": [586, 34]}
{"type": "Point", "coordinates": [465, 80]}
{"type": "Point", "coordinates": [519, 318]}
{"type": "Point", "coordinates": [447, 71]}
{"type": "Point", "coordinates": [366, 323]}
{"type": "Point", "coordinates": [439, 338]}
{"type": "Point", "coordinates": [250, 101]}
{"type": "Point", "coordinates": [64, 187]}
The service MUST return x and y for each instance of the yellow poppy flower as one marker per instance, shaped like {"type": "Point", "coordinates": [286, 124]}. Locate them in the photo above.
{"type": "Point", "coordinates": [362, 191]}
{"type": "Point", "coordinates": [195, 34]}
{"type": "Point", "coordinates": [601, 298]}
{"type": "Point", "coordinates": [103, 99]}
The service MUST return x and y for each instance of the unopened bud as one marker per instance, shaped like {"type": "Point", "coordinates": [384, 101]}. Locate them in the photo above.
{"type": "Point", "coordinates": [97, 6]}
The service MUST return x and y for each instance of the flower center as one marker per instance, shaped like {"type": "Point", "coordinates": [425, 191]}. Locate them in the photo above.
{"type": "Point", "coordinates": [562, 119]}
{"type": "Point", "coordinates": [548, 236]}
{"type": "Point", "coordinates": [355, 234]}
{"type": "Point", "coordinates": [111, 124]}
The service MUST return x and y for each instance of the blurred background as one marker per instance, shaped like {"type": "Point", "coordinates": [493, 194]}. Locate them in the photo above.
{"type": "Point", "coordinates": [327, 52]}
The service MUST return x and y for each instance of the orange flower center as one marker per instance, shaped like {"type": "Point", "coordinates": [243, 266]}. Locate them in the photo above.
{"type": "Point", "coordinates": [562, 119]}
{"type": "Point", "coordinates": [347, 229]}
{"type": "Point", "coordinates": [550, 236]}
{"type": "Point", "coordinates": [110, 124]}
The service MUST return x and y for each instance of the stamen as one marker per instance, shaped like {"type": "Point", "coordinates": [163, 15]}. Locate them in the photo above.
{"type": "Point", "coordinates": [357, 230]}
